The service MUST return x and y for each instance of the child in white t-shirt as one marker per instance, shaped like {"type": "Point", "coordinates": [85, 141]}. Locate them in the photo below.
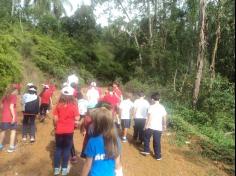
{"type": "Point", "coordinates": [141, 106]}
{"type": "Point", "coordinates": [125, 112]}
{"type": "Point", "coordinates": [155, 124]}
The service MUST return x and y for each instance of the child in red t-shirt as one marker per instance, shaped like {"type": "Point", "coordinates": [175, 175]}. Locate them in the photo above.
{"type": "Point", "coordinates": [45, 101]}
{"type": "Point", "coordinates": [66, 117]}
{"type": "Point", "coordinates": [9, 116]}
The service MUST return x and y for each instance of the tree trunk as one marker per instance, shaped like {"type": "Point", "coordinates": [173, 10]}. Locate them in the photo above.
{"type": "Point", "coordinates": [213, 58]}
{"type": "Point", "coordinates": [176, 71]}
{"type": "Point", "coordinates": [12, 7]}
{"type": "Point", "coordinates": [201, 53]}
{"type": "Point", "coordinates": [135, 36]}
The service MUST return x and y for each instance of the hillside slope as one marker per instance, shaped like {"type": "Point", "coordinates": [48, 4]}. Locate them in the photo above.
{"type": "Point", "coordinates": [37, 159]}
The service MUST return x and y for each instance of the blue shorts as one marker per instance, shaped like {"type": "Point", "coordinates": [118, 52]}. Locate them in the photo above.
{"type": "Point", "coordinates": [125, 123]}
{"type": "Point", "coordinates": [8, 126]}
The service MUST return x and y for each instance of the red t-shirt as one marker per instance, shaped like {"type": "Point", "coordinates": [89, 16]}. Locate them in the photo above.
{"type": "Point", "coordinates": [6, 113]}
{"type": "Point", "coordinates": [66, 114]}
{"type": "Point", "coordinates": [117, 92]}
{"type": "Point", "coordinates": [45, 97]}
{"type": "Point", "coordinates": [111, 99]}
{"type": "Point", "coordinates": [52, 88]}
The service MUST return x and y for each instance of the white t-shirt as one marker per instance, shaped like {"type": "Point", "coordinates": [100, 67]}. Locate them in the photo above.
{"type": "Point", "coordinates": [125, 107]}
{"type": "Point", "coordinates": [141, 106]}
{"type": "Point", "coordinates": [83, 106]}
{"type": "Point", "coordinates": [72, 79]}
{"type": "Point", "coordinates": [92, 96]}
{"type": "Point", "coordinates": [156, 112]}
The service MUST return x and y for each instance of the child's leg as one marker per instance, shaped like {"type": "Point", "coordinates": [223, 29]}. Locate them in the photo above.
{"type": "Point", "coordinates": [2, 136]}
{"type": "Point", "coordinates": [141, 132]}
{"type": "Point", "coordinates": [72, 151]}
{"type": "Point", "coordinates": [135, 135]}
{"type": "Point", "coordinates": [25, 126]}
{"type": "Point", "coordinates": [68, 139]}
{"type": "Point", "coordinates": [157, 143]}
{"type": "Point", "coordinates": [32, 127]}
{"type": "Point", "coordinates": [147, 136]}
{"type": "Point", "coordinates": [58, 151]}
{"type": "Point", "coordinates": [12, 138]}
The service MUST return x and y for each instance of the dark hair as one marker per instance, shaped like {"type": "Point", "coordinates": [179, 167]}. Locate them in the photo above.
{"type": "Point", "coordinates": [110, 88]}
{"type": "Point", "coordinates": [80, 95]}
{"type": "Point", "coordinates": [155, 96]}
{"type": "Point", "coordinates": [127, 95]}
{"type": "Point", "coordinates": [104, 125]}
{"type": "Point", "coordinates": [141, 94]}
{"type": "Point", "coordinates": [73, 85]}
{"type": "Point", "coordinates": [67, 99]}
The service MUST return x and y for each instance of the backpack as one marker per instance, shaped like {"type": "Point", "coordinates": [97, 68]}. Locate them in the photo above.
{"type": "Point", "coordinates": [32, 107]}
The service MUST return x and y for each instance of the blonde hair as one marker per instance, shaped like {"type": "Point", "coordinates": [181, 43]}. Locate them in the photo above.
{"type": "Point", "coordinates": [104, 125]}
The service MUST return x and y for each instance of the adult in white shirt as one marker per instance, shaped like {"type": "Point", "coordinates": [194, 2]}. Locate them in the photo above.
{"type": "Point", "coordinates": [155, 124]}
{"type": "Point", "coordinates": [92, 95]}
{"type": "Point", "coordinates": [125, 112]}
{"type": "Point", "coordinates": [141, 106]}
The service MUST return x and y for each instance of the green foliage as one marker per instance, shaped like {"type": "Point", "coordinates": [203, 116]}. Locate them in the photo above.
{"type": "Point", "coordinates": [9, 62]}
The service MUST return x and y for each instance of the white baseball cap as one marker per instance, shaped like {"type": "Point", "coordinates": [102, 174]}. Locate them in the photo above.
{"type": "Point", "coordinates": [67, 90]}
{"type": "Point", "coordinates": [93, 84]}
{"type": "Point", "coordinates": [33, 89]}
{"type": "Point", "coordinates": [46, 86]}
{"type": "Point", "coordinates": [29, 84]}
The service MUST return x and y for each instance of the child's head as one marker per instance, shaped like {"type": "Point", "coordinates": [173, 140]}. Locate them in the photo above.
{"type": "Point", "coordinates": [127, 95]}
{"type": "Point", "coordinates": [141, 94]}
{"type": "Point", "coordinates": [32, 90]}
{"type": "Point", "coordinates": [12, 89]}
{"type": "Point", "coordinates": [67, 95]}
{"type": "Point", "coordinates": [104, 125]}
{"type": "Point", "coordinates": [155, 96]}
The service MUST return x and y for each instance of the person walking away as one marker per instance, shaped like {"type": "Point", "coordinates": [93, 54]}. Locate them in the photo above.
{"type": "Point", "coordinates": [117, 91]}
{"type": "Point", "coordinates": [141, 106]}
{"type": "Point", "coordinates": [92, 95]}
{"type": "Point", "coordinates": [155, 124]}
{"type": "Point", "coordinates": [45, 101]}
{"type": "Point", "coordinates": [125, 113]}
{"type": "Point", "coordinates": [66, 117]}
{"type": "Point", "coordinates": [30, 102]}
{"type": "Point", "coordinates": [102, 150]}
{"type": "Point", "coordinates": [9, 116]}
{"type": "Point", "coordinates": [111, 99]}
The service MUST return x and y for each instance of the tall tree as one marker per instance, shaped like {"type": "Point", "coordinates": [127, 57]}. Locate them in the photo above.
{"type": "Point", "coordinates": [201, 53]}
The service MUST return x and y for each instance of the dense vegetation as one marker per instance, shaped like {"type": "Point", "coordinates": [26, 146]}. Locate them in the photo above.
{"type": "Point", "coordinates": [155, 50]}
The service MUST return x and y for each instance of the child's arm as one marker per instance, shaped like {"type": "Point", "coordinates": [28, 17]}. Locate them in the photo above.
{"type": "Point", "coordinates": [87, 166]}
{"type": "Point", "coordinates": [147, 122]}
{"type": "Point", "coordinates": [164, 122]}
{"type": "Point", "coordinates": [12, 113]}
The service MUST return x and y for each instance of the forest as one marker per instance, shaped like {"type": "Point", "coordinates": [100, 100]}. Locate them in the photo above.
{"type": "Point", "coordinates": [183, 48]}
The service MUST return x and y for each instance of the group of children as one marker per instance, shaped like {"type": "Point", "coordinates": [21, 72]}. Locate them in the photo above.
{"type": "Point", "coordinates": [98, 117]}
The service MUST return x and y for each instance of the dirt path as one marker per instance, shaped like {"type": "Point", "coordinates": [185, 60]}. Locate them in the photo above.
{"type": "Point", "coordinates": [36, 159]}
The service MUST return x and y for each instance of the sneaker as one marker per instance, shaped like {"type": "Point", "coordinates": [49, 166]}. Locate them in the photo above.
{"type": "Point", "coordinates": [145, 153]}
{"type": "Point", "coordinates": [64, 171]}
{"type": "Point", "coordinates": [24, 139]}
{"type": "Point", "coordinates": [32, 140]}
{"type": "Point", "coordinates": [56, 171]}
{"type": "Point", "coordinates": [158, 159]}
{"type": "Point", "coordinates": [124, 140]}
{"type": "Point", "coordinates": [1, 147]}
{"type": "Point", "coordinates": [11, 149]}
{"type": "Point", "coordinates": [73, 160]}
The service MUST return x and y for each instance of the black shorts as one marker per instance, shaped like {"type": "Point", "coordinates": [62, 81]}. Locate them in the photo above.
{"type": "Point", "coordinates": [8, 126]}
{"type": "Point", "coordinates": [125, 123]}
